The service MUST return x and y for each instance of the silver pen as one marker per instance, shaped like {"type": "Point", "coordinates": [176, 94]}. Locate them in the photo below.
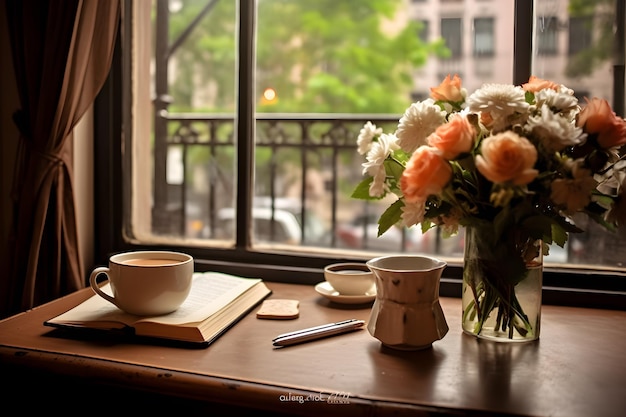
{"type": "Point", "coordinates": [317, 332]}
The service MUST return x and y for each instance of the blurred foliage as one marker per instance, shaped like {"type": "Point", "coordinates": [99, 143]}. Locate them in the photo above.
{"type": "Point", "coordinates": [323, 56]}
{"type": "Point", "coordinates": [601, 14]}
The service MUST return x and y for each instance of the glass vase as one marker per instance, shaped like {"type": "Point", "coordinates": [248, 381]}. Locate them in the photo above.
{"type": "Point", "coordinates": [502, 282]}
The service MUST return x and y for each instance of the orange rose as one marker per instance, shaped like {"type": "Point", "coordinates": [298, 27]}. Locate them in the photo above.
{"type": "Point", "coordinates": [448, 90]}
{"type": "Point", "coordinates": [507, 157]}
{"type": "Point", "coordinates": [453, 138]}
{"type": "Point", "coordinates": [597, 118]}
{"type": "Point", "coordinates": [426, 174]}
{"type": "Point", "coordinates": [486, 119]}
{"type": "Point", "coordinates": [535, 84]}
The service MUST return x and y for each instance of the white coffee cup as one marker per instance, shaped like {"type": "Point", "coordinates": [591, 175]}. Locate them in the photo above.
{"type": "Point", "coordinates": [350, 278]}
{"type": "Point", "coordinates": [146, 283]}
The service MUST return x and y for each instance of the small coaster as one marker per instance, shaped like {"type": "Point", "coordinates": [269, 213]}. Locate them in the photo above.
{"type": "Point", "coordinates": [279, 309]}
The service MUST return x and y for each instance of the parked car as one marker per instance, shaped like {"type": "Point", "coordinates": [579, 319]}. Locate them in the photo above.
{"type": "Point", "coordinates": [279, 225]}
{"type": "Point", "coordinates": [283, 228]}
{"type": "Point", "coordinates": [316, 232]}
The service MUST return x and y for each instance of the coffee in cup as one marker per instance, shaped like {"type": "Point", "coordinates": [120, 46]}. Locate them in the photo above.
{"type": "Point", "coordinates": [146, 283]}
{"type": "Point", "coordinates": [350, 278]}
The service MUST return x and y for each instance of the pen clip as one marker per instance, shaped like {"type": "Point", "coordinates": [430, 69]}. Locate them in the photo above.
{"type": "Point", "coordinates": [323, 326]}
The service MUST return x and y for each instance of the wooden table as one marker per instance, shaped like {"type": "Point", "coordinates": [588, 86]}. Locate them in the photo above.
{"type": "Point", "coordinates": [577, 368]}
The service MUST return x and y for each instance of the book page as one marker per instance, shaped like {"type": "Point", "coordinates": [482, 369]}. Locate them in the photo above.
{"type": "Point", "coordinates": [96, 309]}
{"type": "Point", "coordinates": [210, 292]}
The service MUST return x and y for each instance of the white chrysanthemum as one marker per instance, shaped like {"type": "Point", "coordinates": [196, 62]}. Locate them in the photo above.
{"type": "Point", "coordinates": [500, 100]}
{"type": "Point", "coordinates": [377, 154]}
{"type": "Point", "coordinates": [613, 180]}
{"type": "Point", "coordinates": [561, 102]}
{"type": "Point", "coordinates": [367, 134]}
{"type": "Point", "coordinates": [412, 213]}
{"type": "Point", "coordinates": [379, 187]}
{"type": "Point", "coordinates": [555, 131]}
{"type": "Point", "coordinates": [566, 90]}
{"type": "Point", "coordinates": [574, 194]}
{"type": "Point", "coordinates": [419, 121]}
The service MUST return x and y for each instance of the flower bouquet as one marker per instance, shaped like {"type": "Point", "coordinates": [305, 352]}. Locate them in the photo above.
{"type": "Point", "coordinates": [516, 166]}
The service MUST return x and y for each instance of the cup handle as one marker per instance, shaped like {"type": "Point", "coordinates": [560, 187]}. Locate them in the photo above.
{"type": "Point", "coordinates": [94, 284]}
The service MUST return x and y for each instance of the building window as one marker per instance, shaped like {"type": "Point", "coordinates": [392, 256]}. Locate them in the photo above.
{"type": "Point", "coordinates": [579, 34]}
{"type": "Point", "coordinates": [484, 37]}
{"type": "Point", "coordinates": [451, 32]}
{"type": "Point", "coordinates": [250, 158]}
{"type": "Point", "coordinates": [423, 30]}
{"type": "Point", "coordinates": [547, 35]}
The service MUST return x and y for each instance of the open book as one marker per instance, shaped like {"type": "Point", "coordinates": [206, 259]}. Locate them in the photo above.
{"type": "Point", "coordinates": [215, 303]}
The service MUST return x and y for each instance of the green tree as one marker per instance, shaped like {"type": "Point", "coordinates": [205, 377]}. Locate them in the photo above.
{"type": "Point", "coordinates": [205, 56]}
{"type": "Point", "coordinates": [339, 57]}
{"type": "Point", "coordinates": [319, 56]}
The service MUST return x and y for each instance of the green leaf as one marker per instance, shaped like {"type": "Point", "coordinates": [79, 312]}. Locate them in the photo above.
{"type": "Point", "coordinates": [401, 156]}
{"type": "Point", "coordinates": [539, 227]}
{"type": "Point", "coordinates": [503, 222]}
{"type": "Point", "coordinates": [529, 97]}
{"type": "Point", "coordinates": [390, 217]}
{"type": "Point", "coordinates": [567, 226]}
{"type": "Point", "coordinates": [427, 225]}
{"type": "Point", "coordinates": [393, 168]}
{"type": "Point", "coordinates": [559, 235]}
{"type": "Point", "coordinates": [362, 191]}
{"type": "Point", "coordinates": [599, 218]}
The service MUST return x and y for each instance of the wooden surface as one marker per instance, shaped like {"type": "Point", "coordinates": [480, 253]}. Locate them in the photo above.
{"type": "Point", "coordinates": [577, 368]}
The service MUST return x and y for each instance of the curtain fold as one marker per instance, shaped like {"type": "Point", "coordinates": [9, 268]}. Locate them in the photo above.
{"type": "Point", "coordinates": [62, 53]}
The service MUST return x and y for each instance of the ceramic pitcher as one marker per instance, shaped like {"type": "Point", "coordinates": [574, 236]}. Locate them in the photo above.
{"type": "Point", "coordinates": [406, 314]}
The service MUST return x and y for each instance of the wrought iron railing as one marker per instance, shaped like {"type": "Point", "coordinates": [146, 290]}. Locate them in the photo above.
{"type": "Point", "coordinates": [325, 143]}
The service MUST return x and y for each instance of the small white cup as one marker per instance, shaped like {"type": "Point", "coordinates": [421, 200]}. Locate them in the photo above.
{"type": "Point", "coordinates": [350, 278]}
{"type": "Point", "coordinates": [146, 283]}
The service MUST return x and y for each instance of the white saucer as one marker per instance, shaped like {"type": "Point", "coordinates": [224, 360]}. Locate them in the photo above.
{"type": "Point", "coordinates": [325, 289]}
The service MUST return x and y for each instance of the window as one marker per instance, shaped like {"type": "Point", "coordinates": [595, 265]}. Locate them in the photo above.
{"type": "Point", "coordinates": [579, 34]}
{"type": "Point", "coordinates": [188, 175]}
{"type": "Point", "coordinates": [547, 35]}
{"type": "Point", "coordinates": [424, 30]}
{"type": "Point", "coordinates": [451, 32]}
{"type": "Point", "coordinates": [483, 37]}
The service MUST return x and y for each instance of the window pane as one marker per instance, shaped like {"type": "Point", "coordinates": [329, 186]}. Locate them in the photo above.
{"type": "Point", "coordinates": [424, 31]}
{"type": "Point", "coordinates": [322, 70]}
{"type": "Point", "coordinates": [585, 64]}
{"type": "Point", "coordinates": [483, 36]}
{"type": "Point", "coordinates": [451, 32]}
{"type": "Point", "coordinates": [579, 34]}
{"type": "Point", "coordinates": [547, 32]}
{"type": "Point", "coordinates": [186, 165]}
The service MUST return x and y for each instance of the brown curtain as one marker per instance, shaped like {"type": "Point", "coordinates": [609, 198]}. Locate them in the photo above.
{"type": "Point", "coordinates": [62, 52]}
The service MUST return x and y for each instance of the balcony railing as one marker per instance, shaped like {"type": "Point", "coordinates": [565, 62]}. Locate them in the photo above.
{"type": "Point", "coordinates": [286, 145]}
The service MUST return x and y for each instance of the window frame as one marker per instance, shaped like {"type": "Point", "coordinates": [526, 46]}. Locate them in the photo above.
{"type": "Point", "coordinates": [562, 286]}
